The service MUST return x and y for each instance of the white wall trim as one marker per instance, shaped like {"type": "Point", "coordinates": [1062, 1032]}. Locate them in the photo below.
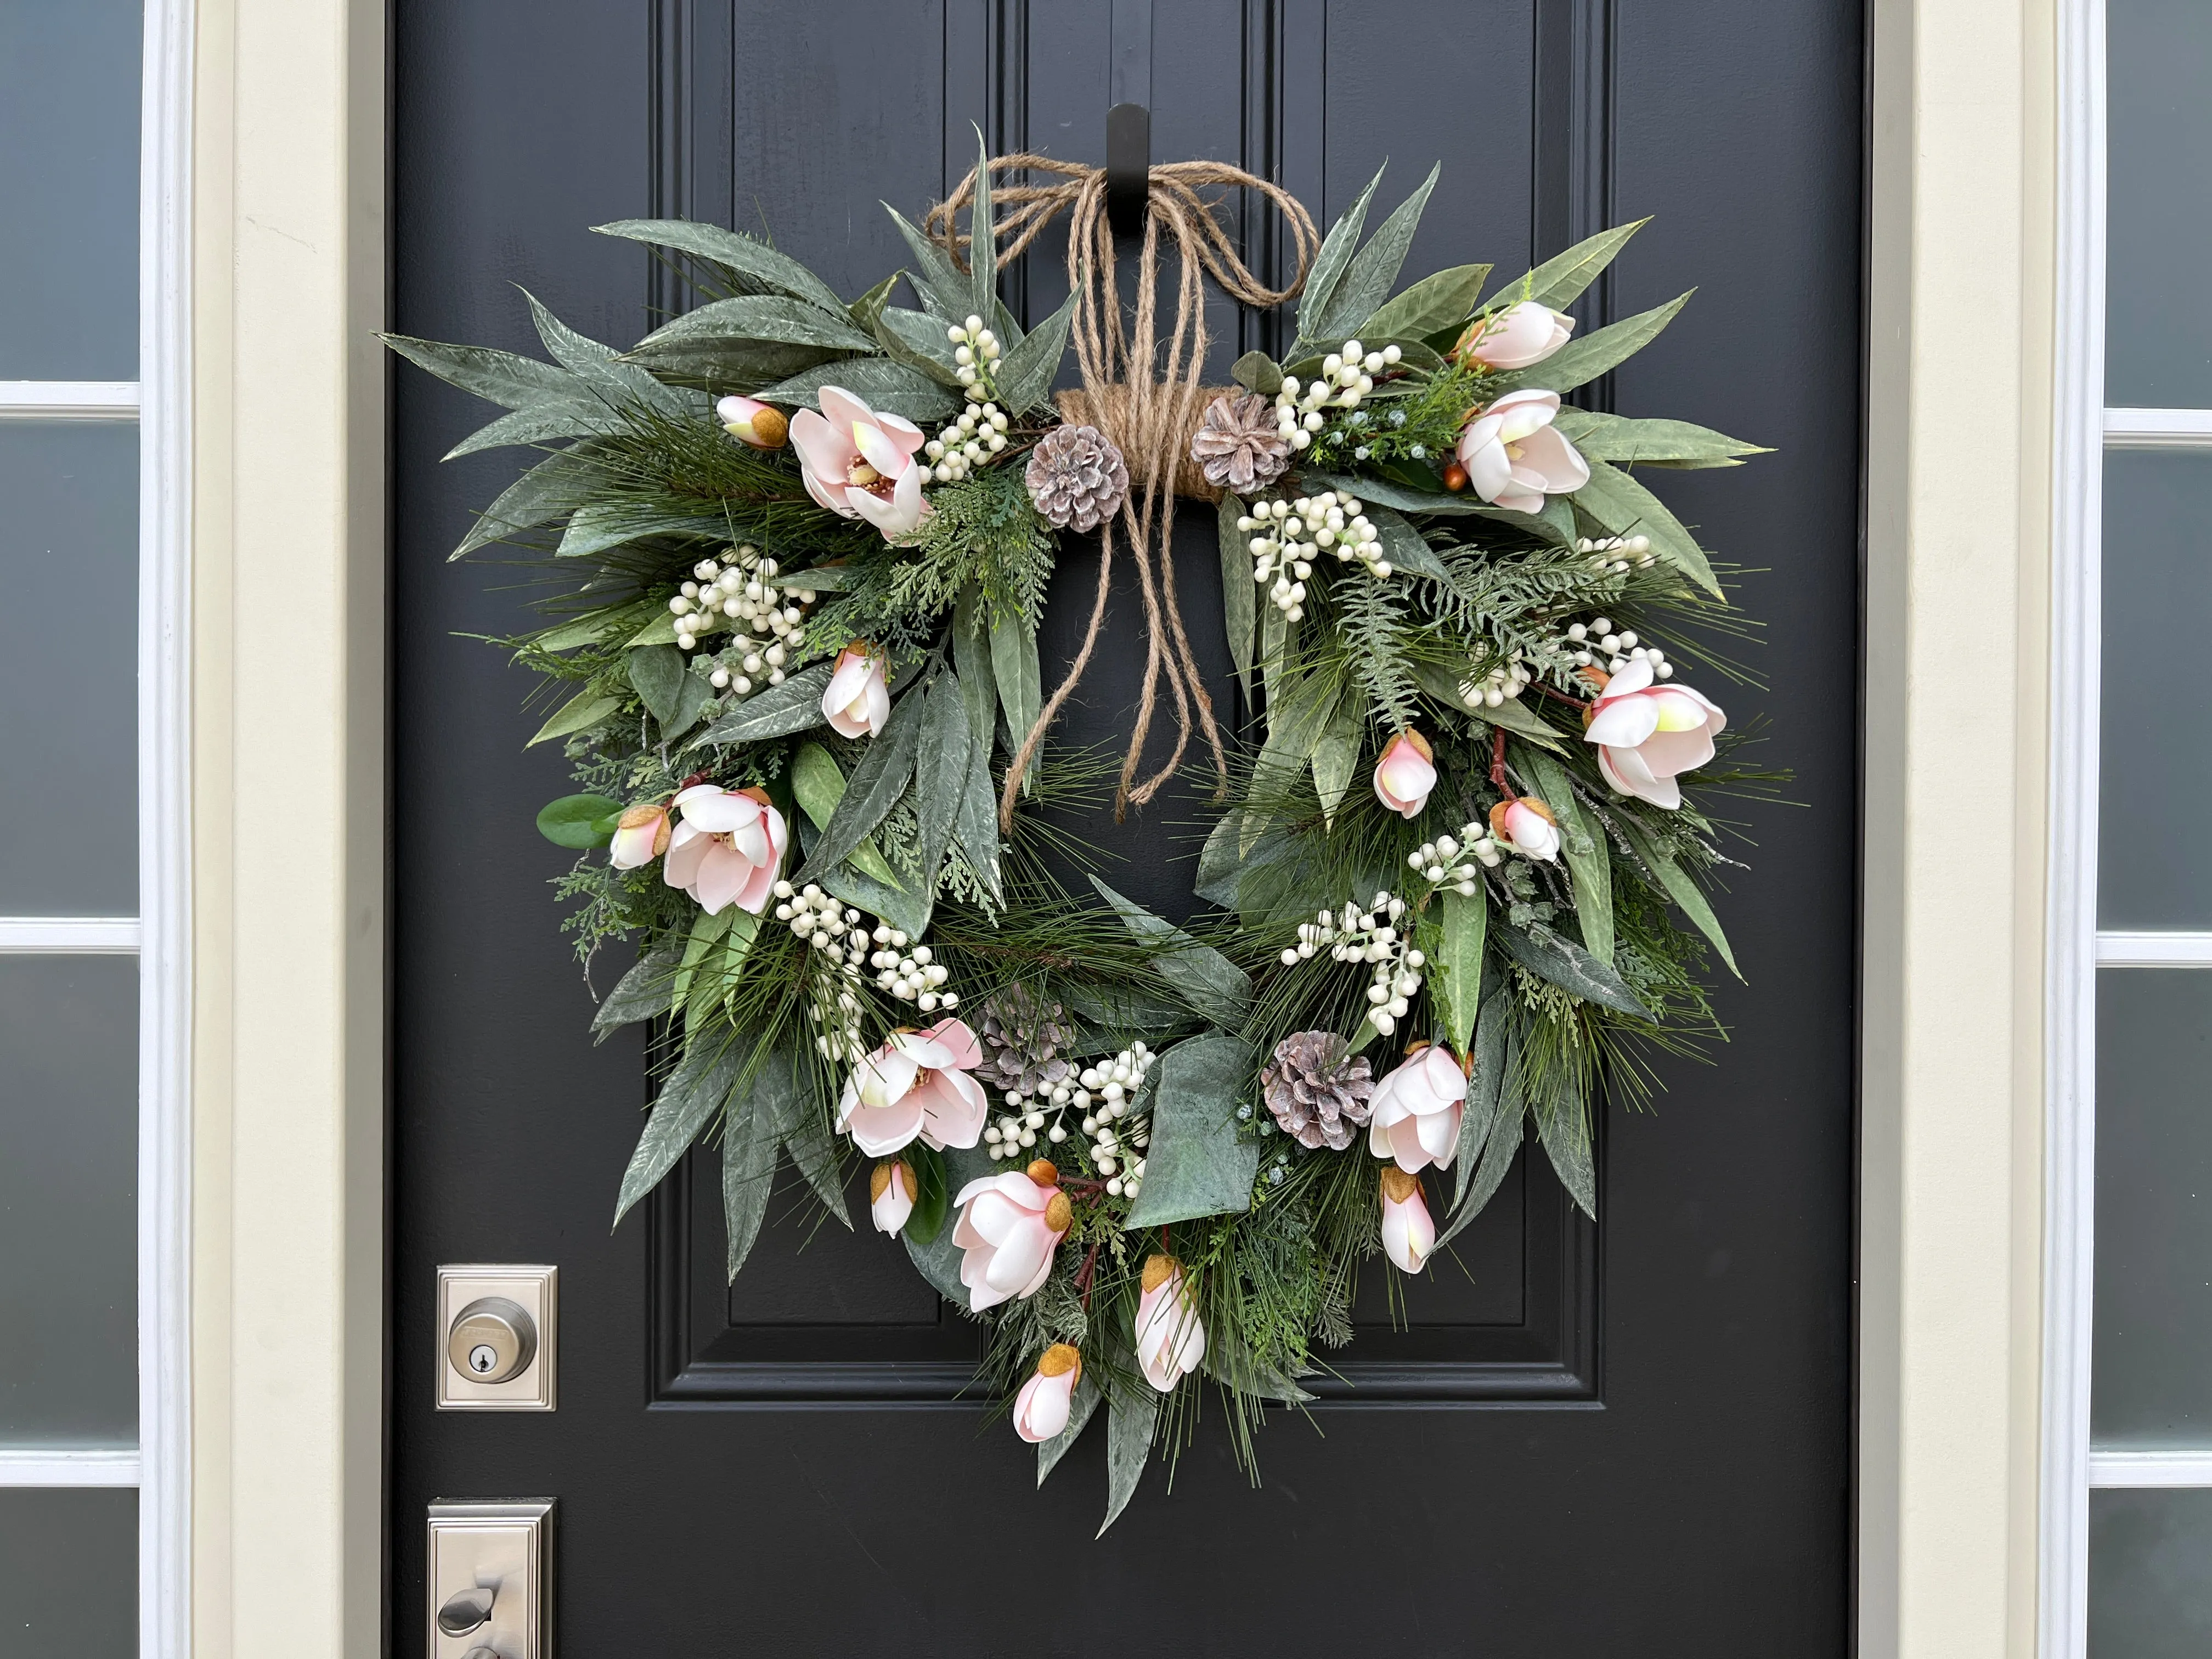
{"type": "Point", "coordinates": [71, 936]}
{"type": "Point", "coordinates": [2079, 433]}
{"type": "Point", "coordinates": [2150, 1469]}
{"type": "Point", "coordinates": [68, 1468]}
{"type": "Point", "coordinates": [71, 400]}
{"type": "Point", "coordinates": [2158, 428]}
{"type": "Point", "coordinates": [165, 509]}
{"type": "Point", "coordinates": [2154, 950]}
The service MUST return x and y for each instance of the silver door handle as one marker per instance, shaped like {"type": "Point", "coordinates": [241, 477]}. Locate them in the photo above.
{"type": "Point", "coordinates": [467, 1610]}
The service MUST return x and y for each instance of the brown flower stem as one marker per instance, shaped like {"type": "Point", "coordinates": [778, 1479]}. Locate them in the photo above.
{"type": "Point", "coordinates": [1576, 703]}
{"type": "Point", "coordinates": [1497, 763]}
{"type": "Point", "coordinates": [1083, 1277]}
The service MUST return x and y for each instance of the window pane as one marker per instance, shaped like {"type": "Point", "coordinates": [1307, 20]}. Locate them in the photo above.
{"type": "Point", "coordinates": [2153, 1365]}
{"type": "Point", "coordinates": [68, 1574]}
{"type": "Point", "coordinates": [2157, 789]}
{"type": "Point", "coordinates": [2150, 1574]}
{"type": "Point", "coordinates": [68, 683]}
{"type": "Point", "coordinates": [68, 1169]}
{"type": "Point", "coordinates": [2158, 344]}
{"type": "Point", "coordinates": [69, 189]}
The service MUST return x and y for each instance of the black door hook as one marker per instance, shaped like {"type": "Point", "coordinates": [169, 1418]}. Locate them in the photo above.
{"type": "Point", "coordinates": [1128, 167]}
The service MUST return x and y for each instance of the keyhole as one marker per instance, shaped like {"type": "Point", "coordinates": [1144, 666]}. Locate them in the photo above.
{"type": "Point", "coordinates": [481, 1358]}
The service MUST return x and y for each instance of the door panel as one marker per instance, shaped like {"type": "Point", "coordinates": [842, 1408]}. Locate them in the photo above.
{"type": "Point", "coordinates": [1629, 1438]}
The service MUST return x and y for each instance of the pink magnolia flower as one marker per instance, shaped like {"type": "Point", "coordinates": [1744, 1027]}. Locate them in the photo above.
{"type": "Point", "coordinates": [1409, 1232]}
{"type": "Point", "coordinates": [640, 836]}
{"type": "Point", "coordinates": [1516, 337]}
{"type": "Point", "coordinates": [857, 699]}
{"type": "Point", "coordinates": [759, 424]}
{"type": "Point", "coordinates": [1648, 734]}
{"type": "Point", "coordinates": [1528, 826]}
{"type": "Point", "coordinates": [891, 1196]}
{"type": "Point", "coordinates": [728, 848]}
{"type": "Point", "coordinates": [1010, 1225]}
{"type": "Point", "coordinates": [916, 1086]}
{"type": "Point", "coordinates": [860, 464]}
{"type": "Point", "coordinates": [1040, 1408]}
{"type": "Point", "coordinates": [1406, 773]}
{"type": "Point", "coordinates": [1513, 456]}
{"type": "Point", "coordinates": [1417, 1110]}
{"type": "Point", "coordinates": [1171, 1340]}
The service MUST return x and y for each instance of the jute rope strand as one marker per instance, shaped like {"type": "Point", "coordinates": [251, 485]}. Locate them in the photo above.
{"type": "Point", "coordinates": [1147, 405]}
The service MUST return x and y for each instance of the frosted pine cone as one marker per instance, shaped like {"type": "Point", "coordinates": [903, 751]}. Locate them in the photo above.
{"type": "Point", "coordinates": [1316, 1095]}
{"type": "Point", "coordinates": [1023, 1036]}
{"type": "Point", "coordinates": [1077, 478]}
{"type": "Point", "coordinates": [1239, 446]}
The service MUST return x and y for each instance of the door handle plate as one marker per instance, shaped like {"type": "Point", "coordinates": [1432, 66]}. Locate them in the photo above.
{"type": "Point", "coordinates": [506, 1547]}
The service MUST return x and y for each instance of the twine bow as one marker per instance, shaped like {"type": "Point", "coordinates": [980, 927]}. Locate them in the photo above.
{"type": "Point", "coordinates": [1147, 406]}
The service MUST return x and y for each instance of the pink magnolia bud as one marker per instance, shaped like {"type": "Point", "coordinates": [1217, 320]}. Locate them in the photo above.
{"type": "Point", "coordinates": [857, 699]}
{"type": "Point", "coordinates": [1040, 1408]}
{"type": "Point", "coordinates": [891, 1196]}
{"type": "Point", "coordinates": [1528, 826]}
{"type": "Point", "coordinates": [1416, 1110]}
{"type": "Point", "coordinates": [1408, 1233]}
{"type": "Point", "coordinates": [759, 424]}
{"type": "Point", "coordinates": [1406, 773]}
{"type": "Point", "coordinates": [1171, 1340]}
{"type": "Point", "coordinates": [1009, 1227]}
{"type": "Point", "coordinates": [640, 836]}
{"type": "Point", "coordinates": [1516, 337]}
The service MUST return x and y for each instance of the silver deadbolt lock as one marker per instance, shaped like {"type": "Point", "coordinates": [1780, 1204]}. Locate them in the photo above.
{"type": "Point", "coordinates": [492, 1340]}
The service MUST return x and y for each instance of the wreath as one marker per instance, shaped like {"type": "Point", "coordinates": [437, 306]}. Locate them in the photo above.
{"type": "Point", "coordinates": [797, 550]}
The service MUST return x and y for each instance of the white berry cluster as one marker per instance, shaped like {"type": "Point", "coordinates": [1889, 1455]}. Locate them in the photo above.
{"type": "Point", "coordinates": [1117, 1129]}
{"type": "Point", "coordinates": [1346, 376]}
{"type": "Point", "coordinates": [835, 933]}
{"type": "Point", "coordinates": [1440, 862]}
{"type": "Point", "coordinates": [974, 358]}
{"type": "Point", "coordinates": [738, 592]}
{"type": "Point", "coordinates": [908, 973]}
{"type": "Point", "coordinates": [1291, 532]}
{"type": "Point", "coordinates": [1368, 935]}
{"type": "Point", "coordinates": [967, 442]}
{"type": "Point", "coordinates": [1616, 553]}
{"type": "Point", "coordinates": [1509, 679]}
{"type": "Point", "coordinates": [1594, 640]}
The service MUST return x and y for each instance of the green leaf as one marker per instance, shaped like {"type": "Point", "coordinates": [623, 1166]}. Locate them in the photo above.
{"type": "Point", "coordinates": [887, 387]}
{"type": "Point", "coordinates": [1438, 303]}
{"type": "Point", "coordinates": [552, 488]}
{"type": "Point", "coordinates": [1230, 1363]}
{"type": "Point", "coordinates": [1522, 721]}
{"type": "Point", "coordinates": [1296, 721]}
{"type": "Point", "coordinates": [586, 709]}
{"type": "Point", "coordinates": [886, 768]}
{"type": "Point", "coordinates": [579, 821]}
{"type": "Point", "coordinates": [794, 706]}
{"type": "Point", "coordinates": [818, 782]}
{"type": "Point", "coordinates": [708, 929]}
{"type": "Point", "coordinates": [1681, 888]}
{"type": "Point", "coordinates": [597, 367]}
{"type": "Point", "coordinates": [1617, 501]}
{"type": "Point", "coordinates": [1079, 1410]}
{"type": "Point", "coordinates": [1603, 437]}
{"type": "Point", "coordinates": [1499, 1149]}
{"type": "Point", "coordinates": [977, 824]}
{"type": "Point", "coordinates": [766, 317]}
{"type": "Point", "coordinates": [498, 376]}
{"type": "Point", "coordinates": [748, 1143]}
{"type": "Point", "coordinates": [936, 1257]}
{"type": "Point", "coordinates": [917, 340]}
{"type": "Point", "coordinates": [659, 672]}
{"type": "Point", "coordinates": [598, 525]}
{"type": "Point", "coordinates": [642, 993]}
{"type": "Point", "coordinates": [869, 306]}
{"type": "Point", "coordinates": [1486, 1089]}
{"type": "Point", "coordinates": [1255, 371]}
{"type": "Point", "coordinates": [1327, 272]}
{"type": "Point", "coordinates": [1591, 868]}
{"type": "Point", "coordinates": [1568, 966]}
{"type": "Point", "coordinates": [1336, 756]}
{"type": "Point", "coordinates": [1025, 374]}
{"type": "Point", "coordinates": [814, 1152]}
{"type": "Point", "coordinates": [932, 1202]}
{"type": "Point", "coordinates": [1455, 965]}
{"type": "Point", "coordinates": [1216, 987]}
{"type": "Point", "coordinates": [1580, 361]}
{"type": "Point", "coordinates": [1404, 546]}
{"type": "Point", "coordinates": [940, 771]}
{"type": "Point", "coordinates": [1131, 1415]}
{"type": "Point", "coordinates": [1020, 681]}
{"type": "Point", "coordinates": [686, 1101]}
{"type": "Point", "coordinates": [971, 657]}
{"type": "Point", "coordinates": [982, 237]}
{"type": "Point", "coordinates": [1373, 272]}
{"type": "Point", "coordinates": [541, 424]}
{"type": "Point", "coordinates": [1197, 1164]}
{"type": "Point", "coordinates": [603, 627]}
{"type": "Point", "coordinates": [944, 291]}
{"type": "Point", "coordinates": [1239, 601]}
{"type": "Point", "coordinates": [752, 260]}
{"type": "Point", "coordinates": [1555, 524]}
{"type": "Point", "coordinates": [1560, 280]}
{"type": "Point", "coordinates": [715, 975]}
{"type": "Point", "coordinates": [1564, 1128]}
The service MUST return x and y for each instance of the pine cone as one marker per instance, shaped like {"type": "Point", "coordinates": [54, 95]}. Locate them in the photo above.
{"type": "Point", "coordinates": [1239, 446]}
{"type": "Point", "coordinates": [1077, 478]}
{"type": "Point", "coordinates": [1023, 1035]}
{"type": "Point", "coordinates": [1315, 1093]}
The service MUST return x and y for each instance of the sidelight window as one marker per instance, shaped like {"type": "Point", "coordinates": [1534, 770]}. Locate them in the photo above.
{"type": "Point", "coordinates": [92, 880]}
{"type": "Point", "coordinates": [2129, 1383]}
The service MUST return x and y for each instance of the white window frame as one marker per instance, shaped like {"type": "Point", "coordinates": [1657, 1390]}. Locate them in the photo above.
{"type": "Point", "coordinates": [159, 403]}
{"type": "Point", "coordinates": [2086, 430]}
